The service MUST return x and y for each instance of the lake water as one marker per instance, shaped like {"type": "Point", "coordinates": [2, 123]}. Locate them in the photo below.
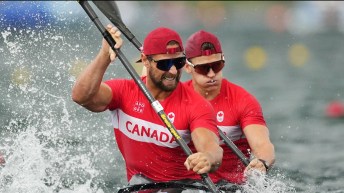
{"type": "Point", "coordinates": [53, 145]}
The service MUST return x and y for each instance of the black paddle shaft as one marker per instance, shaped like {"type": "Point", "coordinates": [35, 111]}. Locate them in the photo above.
{"type": "Point", "coordinates": [234, 148]}
{"type": "Point", "coordinates": [155, 104]}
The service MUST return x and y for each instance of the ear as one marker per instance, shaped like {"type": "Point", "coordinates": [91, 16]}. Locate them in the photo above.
{"type": "Point", "coordinates": [144, 60]}
{"type": "Point", "coordinates": [144, 71]}
{"type": "Point", "coordinates": [187, 68]}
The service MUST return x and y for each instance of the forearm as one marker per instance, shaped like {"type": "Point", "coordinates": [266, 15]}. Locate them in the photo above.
{"type": "Point", "coordinates": [259, 141]}
{"type": "Point", "coordinates": [88, 82]}
{"type": "Point", "coordinates": [265, 152]}
{"type": "Point", "coordinates": [207, 142]}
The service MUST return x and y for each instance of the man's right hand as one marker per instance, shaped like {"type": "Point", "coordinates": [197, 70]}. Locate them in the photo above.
{"type": "Point", "coordinates": [115, 33]}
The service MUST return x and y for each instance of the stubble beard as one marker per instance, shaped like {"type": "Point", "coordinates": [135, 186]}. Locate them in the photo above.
{"type": "Point", "coordinates": [158, 81]}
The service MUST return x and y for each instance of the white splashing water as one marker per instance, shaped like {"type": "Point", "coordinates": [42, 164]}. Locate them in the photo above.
{"type": "Point", "coordinates": [260, 183]}
{"type": "Point", "coordinates": [39, 143]}
{"type": "Point", "coordinates": [14, 47]}
{"type": "Point", "coordinates": [38, 155]}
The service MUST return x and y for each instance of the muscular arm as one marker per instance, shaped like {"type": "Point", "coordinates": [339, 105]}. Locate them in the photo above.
{"type": "Point", "coordinates": [261, 146]}
{"type": "Point", "coordinates": [209, 154]}
{"type": "Point", "coordinates": [88, 90]}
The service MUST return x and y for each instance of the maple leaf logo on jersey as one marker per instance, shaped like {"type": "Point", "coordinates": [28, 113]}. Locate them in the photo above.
{"type": "Point", "coordinates": [220, 116]}
{"type": "Point", "coordinates": [171, 116]}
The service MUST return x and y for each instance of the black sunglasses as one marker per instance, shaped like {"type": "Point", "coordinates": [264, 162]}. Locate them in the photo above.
{"type": "Point", "coordinates": [166, 64]}
{"type": "Point", "coordinates": [205, 68]}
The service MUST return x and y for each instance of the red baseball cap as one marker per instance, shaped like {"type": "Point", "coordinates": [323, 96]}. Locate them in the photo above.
{"type": "Point", "coordinates": [156, 41]}
{"type": "Point", "coordinates": [194, 44]}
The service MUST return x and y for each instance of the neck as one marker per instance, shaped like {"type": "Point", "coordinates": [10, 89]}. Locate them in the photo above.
{"type": "Point", "coordinates": [208, 94]}
{"type": "Point", "coordinates": [160, 95]}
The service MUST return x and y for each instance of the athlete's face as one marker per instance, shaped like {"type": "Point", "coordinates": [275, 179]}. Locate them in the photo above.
{"type": "Point", "coordinates": [166, 81]}
{"type": "Point", "coordinates": [206, 71]}
{"type": "Point", "coordinates": [164, 73]}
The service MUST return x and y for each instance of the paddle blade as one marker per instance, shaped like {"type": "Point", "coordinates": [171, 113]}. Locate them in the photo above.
{"type": "Point", "coordinates": [111, 11]}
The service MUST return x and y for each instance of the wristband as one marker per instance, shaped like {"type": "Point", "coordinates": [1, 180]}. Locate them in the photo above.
{"type": "Point", "coordinates": [265, 163]}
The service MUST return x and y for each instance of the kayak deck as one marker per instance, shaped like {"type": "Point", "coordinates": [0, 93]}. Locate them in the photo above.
{"type": "Point", "coordinates": [175, 186]}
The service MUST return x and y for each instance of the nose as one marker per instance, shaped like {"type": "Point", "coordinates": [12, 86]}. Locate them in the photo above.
{"type": "Point", "coordinates": [173, 70]}
{"type": "Point", "coordinates": [211, 73]}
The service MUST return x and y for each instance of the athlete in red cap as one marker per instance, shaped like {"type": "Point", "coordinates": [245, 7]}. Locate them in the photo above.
{"type": "Point", "coordinates": [148, 148]}
{"type": "Point", "coordinates": [238, 113]}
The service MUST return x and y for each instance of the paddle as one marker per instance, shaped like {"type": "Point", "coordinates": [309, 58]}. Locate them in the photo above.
{"type": "Point", "coordinates": [111, 11]}
{"type": "Point", "coordinates": [234, 148]}
{"type": "Point", "coordinates": [155, 104]}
